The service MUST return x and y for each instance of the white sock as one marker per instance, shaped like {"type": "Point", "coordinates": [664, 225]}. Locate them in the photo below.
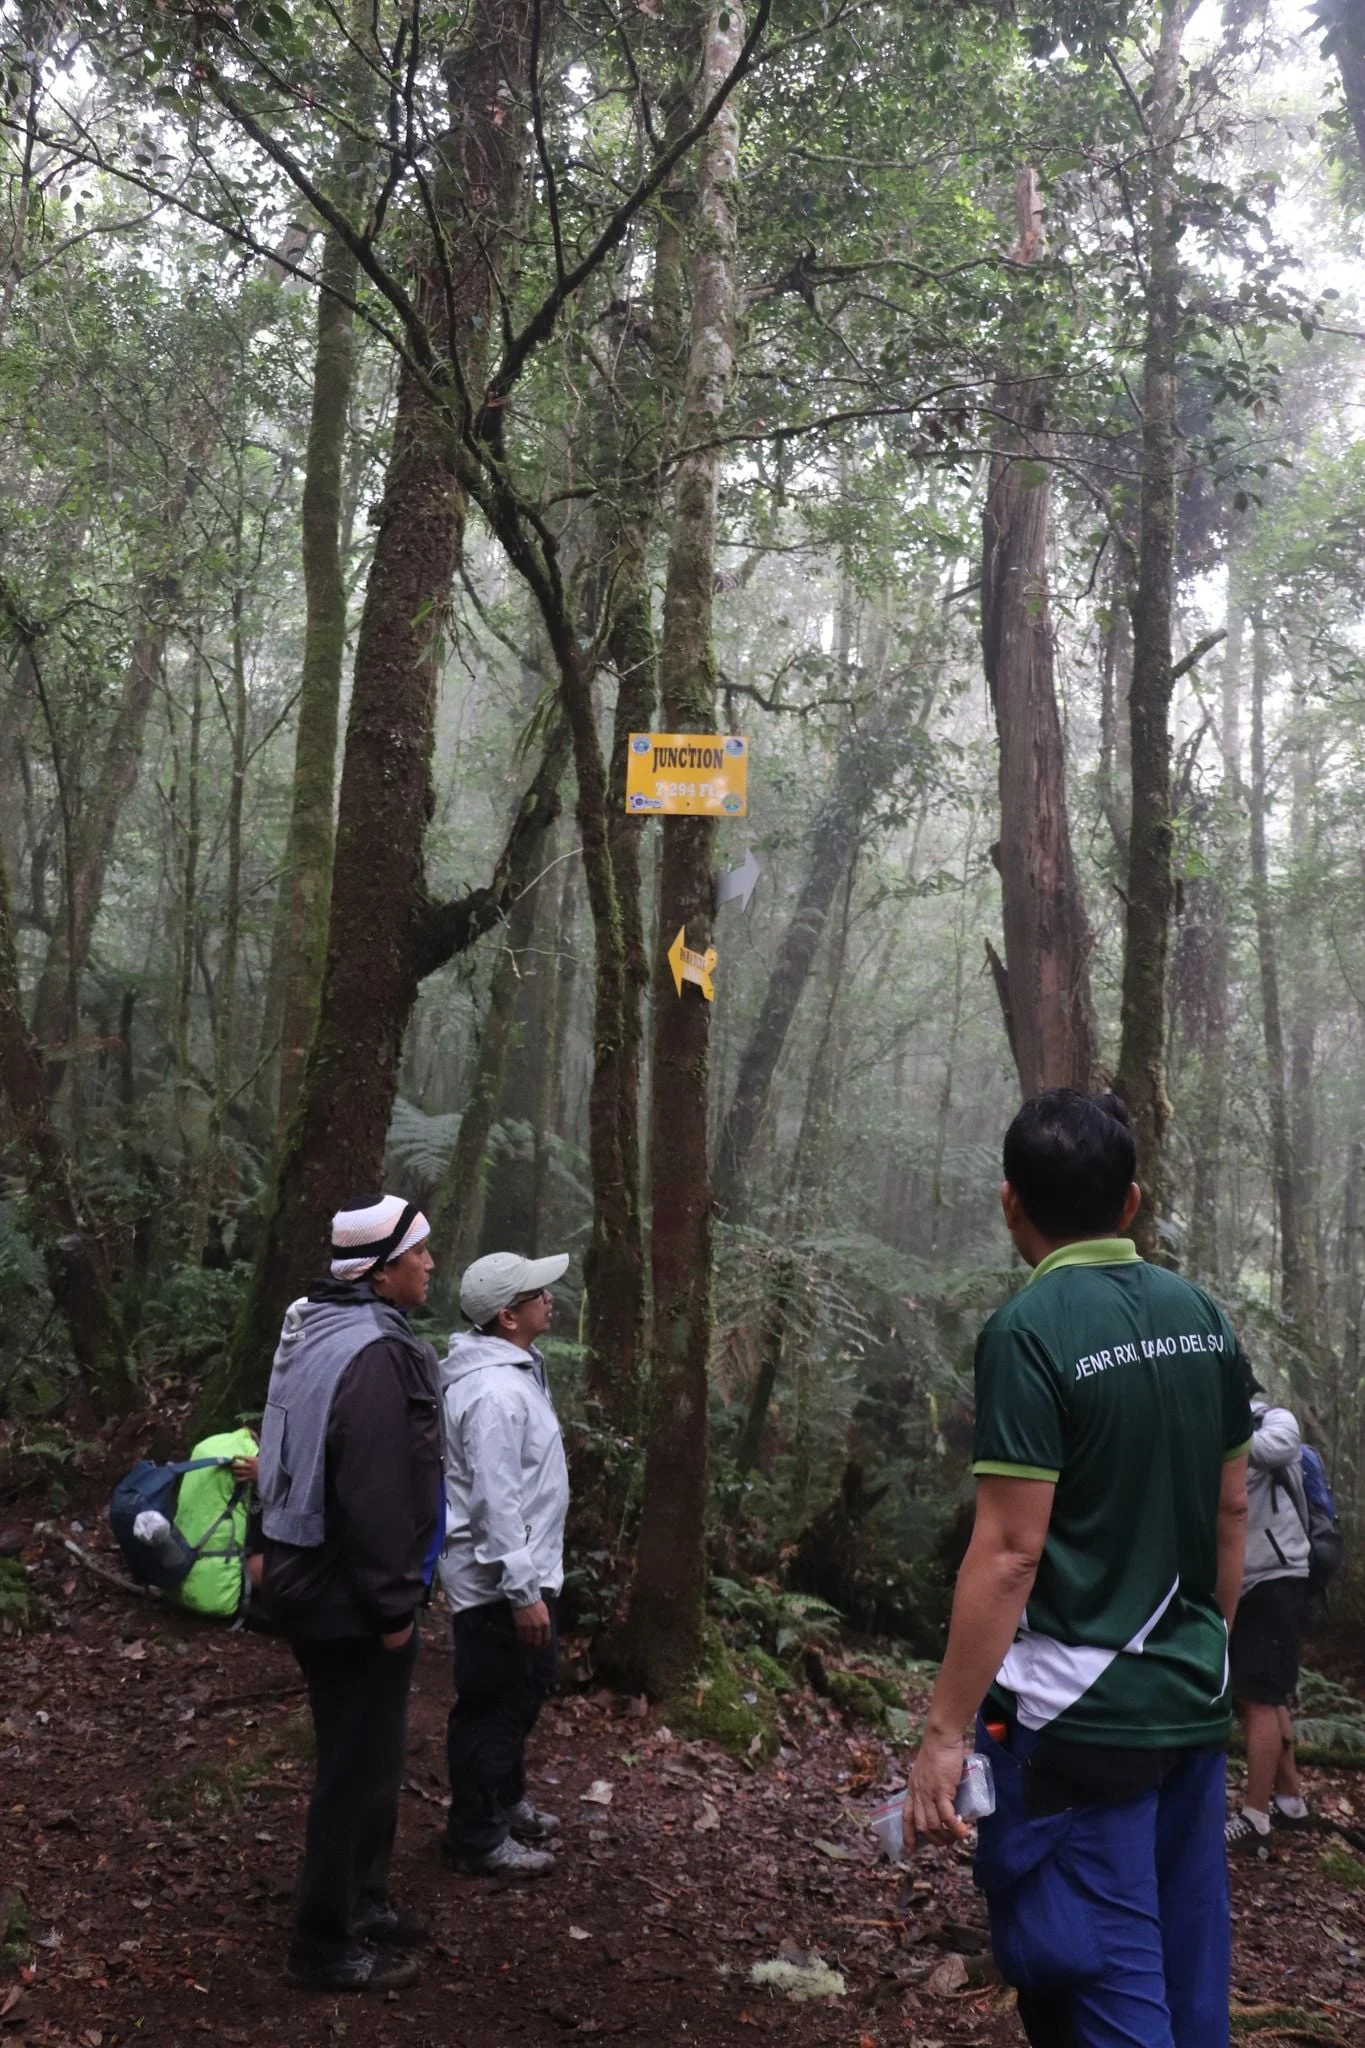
{"type": "Point", "coordinates": [1292, 1809]}
{"type": "Point", "coordinates": [1260, 1821]}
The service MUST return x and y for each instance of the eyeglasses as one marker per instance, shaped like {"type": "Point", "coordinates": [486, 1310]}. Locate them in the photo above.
{"type": "Point", "coordinates": [539, 1294]}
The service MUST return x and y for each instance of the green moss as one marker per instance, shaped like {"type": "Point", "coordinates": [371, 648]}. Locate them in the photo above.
{"type": "Point", "coordinates": [768, 1671]}
{"type": "Point", "coordinates": [1343, 1868]}
{"type": "Point", "coordinates": [17, 1604]}
{"type": "Point", "coordinates": [857, 1695]}
{"type": "Point", "coordinates": [1277, 2019]}
{"type": "Point", "coordinates": [712, 1707]}
{"type": "Point", "coordinates": [14, 1943]}
{"type": "Point", "coordinates": [204, 1790]}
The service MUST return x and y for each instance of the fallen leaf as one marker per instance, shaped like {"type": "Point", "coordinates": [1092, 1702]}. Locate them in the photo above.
{"type": "Point", "coordinates": [949, 1976]}
{"type": "Point", "coordinates": [835, 1853]}
{"type": "Point", "coordinates": [597, 1794]}
{"type": "Point", "coordinates": [579, 1934]}
{"type": "Point", "coordinates": [710, 1819]}
{"type": "Point", "coordinates": [135, 1652]}
{"type": "Point", "coordinates": [17, 2005]}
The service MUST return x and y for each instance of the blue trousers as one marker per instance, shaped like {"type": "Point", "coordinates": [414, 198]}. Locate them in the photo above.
{"type": "Point", "coordinates": [1112, 1919]}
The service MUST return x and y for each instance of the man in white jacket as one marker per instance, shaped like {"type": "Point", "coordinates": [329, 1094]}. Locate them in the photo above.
{"type": "Point", "coordinates": [1266, 1635]}
{"type": "Point", "coordinates": [507, 1491]}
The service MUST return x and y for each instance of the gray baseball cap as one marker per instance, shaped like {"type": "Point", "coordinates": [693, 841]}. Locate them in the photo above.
{"type": "Point", "coordinates": [496, 1281]}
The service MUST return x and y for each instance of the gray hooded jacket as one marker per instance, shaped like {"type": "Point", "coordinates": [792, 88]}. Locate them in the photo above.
{"type": "Point", "coordinates": [507, 1483]}
{"type": "Point", "coordinates": [1277, 1512]}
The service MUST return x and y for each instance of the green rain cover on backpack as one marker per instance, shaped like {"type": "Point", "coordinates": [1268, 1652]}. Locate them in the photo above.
{"type": "Point", "coordinates": [214, 1584]}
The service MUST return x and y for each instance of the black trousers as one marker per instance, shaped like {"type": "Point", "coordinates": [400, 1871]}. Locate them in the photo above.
{"type": "Point", "coordinates": [358, 1692]}
{"type": "Point", "coordinates": [499, 1691]}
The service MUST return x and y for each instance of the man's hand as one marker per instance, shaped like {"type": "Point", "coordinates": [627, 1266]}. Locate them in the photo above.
{"type": "Point", "coordinates": [532, 1625]}
{"type": "Point", "coordinates": [398, 1639]}
{"type": "Point", "coordinates": [933, 1788]}
{"type": "Point", "coordinates": [244, 1470]}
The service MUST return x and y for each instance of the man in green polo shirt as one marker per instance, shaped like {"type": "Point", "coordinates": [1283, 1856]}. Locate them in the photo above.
{"type": "Point", "coordinates": [1092, 1609]}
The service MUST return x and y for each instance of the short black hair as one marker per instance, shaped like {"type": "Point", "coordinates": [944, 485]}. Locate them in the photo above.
{"type": "Point", "coordinates": [1071, 1159]}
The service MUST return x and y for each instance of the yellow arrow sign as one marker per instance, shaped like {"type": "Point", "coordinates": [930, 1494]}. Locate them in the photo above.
{"type": "Point", "coordinates": [690, 966]}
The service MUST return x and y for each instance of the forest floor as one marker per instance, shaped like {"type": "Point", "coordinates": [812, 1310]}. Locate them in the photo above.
{"type": "Point", "coordinates": [153, 1779]}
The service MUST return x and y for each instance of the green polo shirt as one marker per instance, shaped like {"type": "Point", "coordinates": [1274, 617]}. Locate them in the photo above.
{"type": "Point", "coordinates": [1124, 1385]}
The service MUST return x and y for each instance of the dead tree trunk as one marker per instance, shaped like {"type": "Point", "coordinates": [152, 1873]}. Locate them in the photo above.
{"type": "Point", "coordinates": [1142, 1060]}
{"type": "Point", "coordinates": [1047, 937]}
{"type": "Point", "coordinates": [662, 1634]}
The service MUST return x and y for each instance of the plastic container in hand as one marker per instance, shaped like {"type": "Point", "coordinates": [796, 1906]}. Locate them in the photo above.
{"type": "Point", "coordinates": [887, 1824]}
{"type": "Point", "coordinates": [153, 1529]}
{"type": "Point", "coordinates": [975, 1796]}
{"type": "Point", "coordinates": [974, 1800]}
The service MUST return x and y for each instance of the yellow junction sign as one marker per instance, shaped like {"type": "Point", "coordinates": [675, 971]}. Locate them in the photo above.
{"type": "Point", "coordinates": [690, 966]}
{"type": "Point", "coordinates": [687, 774]}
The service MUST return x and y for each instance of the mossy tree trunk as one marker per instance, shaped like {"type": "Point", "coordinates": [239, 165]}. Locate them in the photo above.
{"type": "Point", "coordinates": [308, 851]}
{"type": "Point", "coordinates": [662, 1633]}
{"type": "Point", "coordinates": [1150, 893]}
{"type": "Point", "coordinates": [649, 378]}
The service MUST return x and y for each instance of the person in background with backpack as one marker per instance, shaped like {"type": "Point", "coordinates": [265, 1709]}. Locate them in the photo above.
{"type": "Point", "coordinates": [1267, 1634]}
{"type": "Point", "coordinates": [352, 1517]}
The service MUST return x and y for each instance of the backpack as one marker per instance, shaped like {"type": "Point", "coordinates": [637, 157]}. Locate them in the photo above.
{"type": "Point", "coordinates": [1326, 1541]}
{"type": "Point", "coordinates": [200, 1560]}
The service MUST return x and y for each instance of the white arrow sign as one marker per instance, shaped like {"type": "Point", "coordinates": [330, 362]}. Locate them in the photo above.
{"type": "Point", "coordinates": [732, 883]}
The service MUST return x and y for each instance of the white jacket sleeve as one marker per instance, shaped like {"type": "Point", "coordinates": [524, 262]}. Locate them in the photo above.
{"type": "Point", "coordinates": [492, 1433]}
{"type": "Point", "coordinates": [1277, 1440]}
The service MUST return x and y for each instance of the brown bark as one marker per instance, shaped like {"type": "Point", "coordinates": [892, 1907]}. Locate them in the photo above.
{"type": "Point", "coordinates": [1142, 1065]}
{"type": "Point", "coordinates": [1292, 1263]}
{"type": "Point", "coordinates": [662, 1634]}
{"type": "Point", "coordinates": [380, 940]}
{"type": "Point", "coordinates": [1047, 936]}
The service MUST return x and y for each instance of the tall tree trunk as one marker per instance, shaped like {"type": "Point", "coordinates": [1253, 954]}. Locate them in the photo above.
{"type": "Point", "coordinates": [76, 1259]}
{"type": "Point", "coordinates": [614, 1265]}
{"type": "Point", "coordinates": [1142, 1063]}
{"type": "Point", "coordinates": [662, 1637]}
{"type": "Point", "coordinates": [1047, 938]}
{"type": "Point", "coordinates": [187, 908]}
{"type": "Point", "coordinates": [207, 1178]}
{"type": "Point", "coordinates": [833, 837]}
{"type": "Point", "coordinates": [458, 1212]}
{"type": "Point", "coordinates": [1302, 961]}
{"type": "Point", "coordinates": [95, 825]}
{"type": "Point", "coordinates": [308, 851]}
{"type": "Point", "coordinates": [1293, 1277]}
{"type": "Point", "coordinates": [334, 1144]}
{"type": "Point", "coordinates": [550, 1097]}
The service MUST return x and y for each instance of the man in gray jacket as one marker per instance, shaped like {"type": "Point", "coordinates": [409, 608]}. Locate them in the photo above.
{"type": "Point", "coordinates": [351, 1494]}
{"type": "Point", "coordinates": [1264, 1650]}
{"type": "Point", "coordinates": [507, 1496]}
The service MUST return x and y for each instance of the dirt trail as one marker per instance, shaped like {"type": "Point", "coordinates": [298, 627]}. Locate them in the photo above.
{"type": "Point", "coordinates": [152, 1788]}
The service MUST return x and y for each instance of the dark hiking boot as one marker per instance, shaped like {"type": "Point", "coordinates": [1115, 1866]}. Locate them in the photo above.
{"type": "Point", "coordinates": [357, 1968]}
{"type": "Point", "coordinates": [529, 1824]}
{"type": "Point", "coordinates": [509, 1860]}
{"type": "Point", "coordinates": [1243, 1839]}
{"type": "Point", "coordinates": [390, 1927]}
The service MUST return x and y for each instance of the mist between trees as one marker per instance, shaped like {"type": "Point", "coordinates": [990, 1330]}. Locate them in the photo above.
{"type": "Point", "coordinates": [402, 405]}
